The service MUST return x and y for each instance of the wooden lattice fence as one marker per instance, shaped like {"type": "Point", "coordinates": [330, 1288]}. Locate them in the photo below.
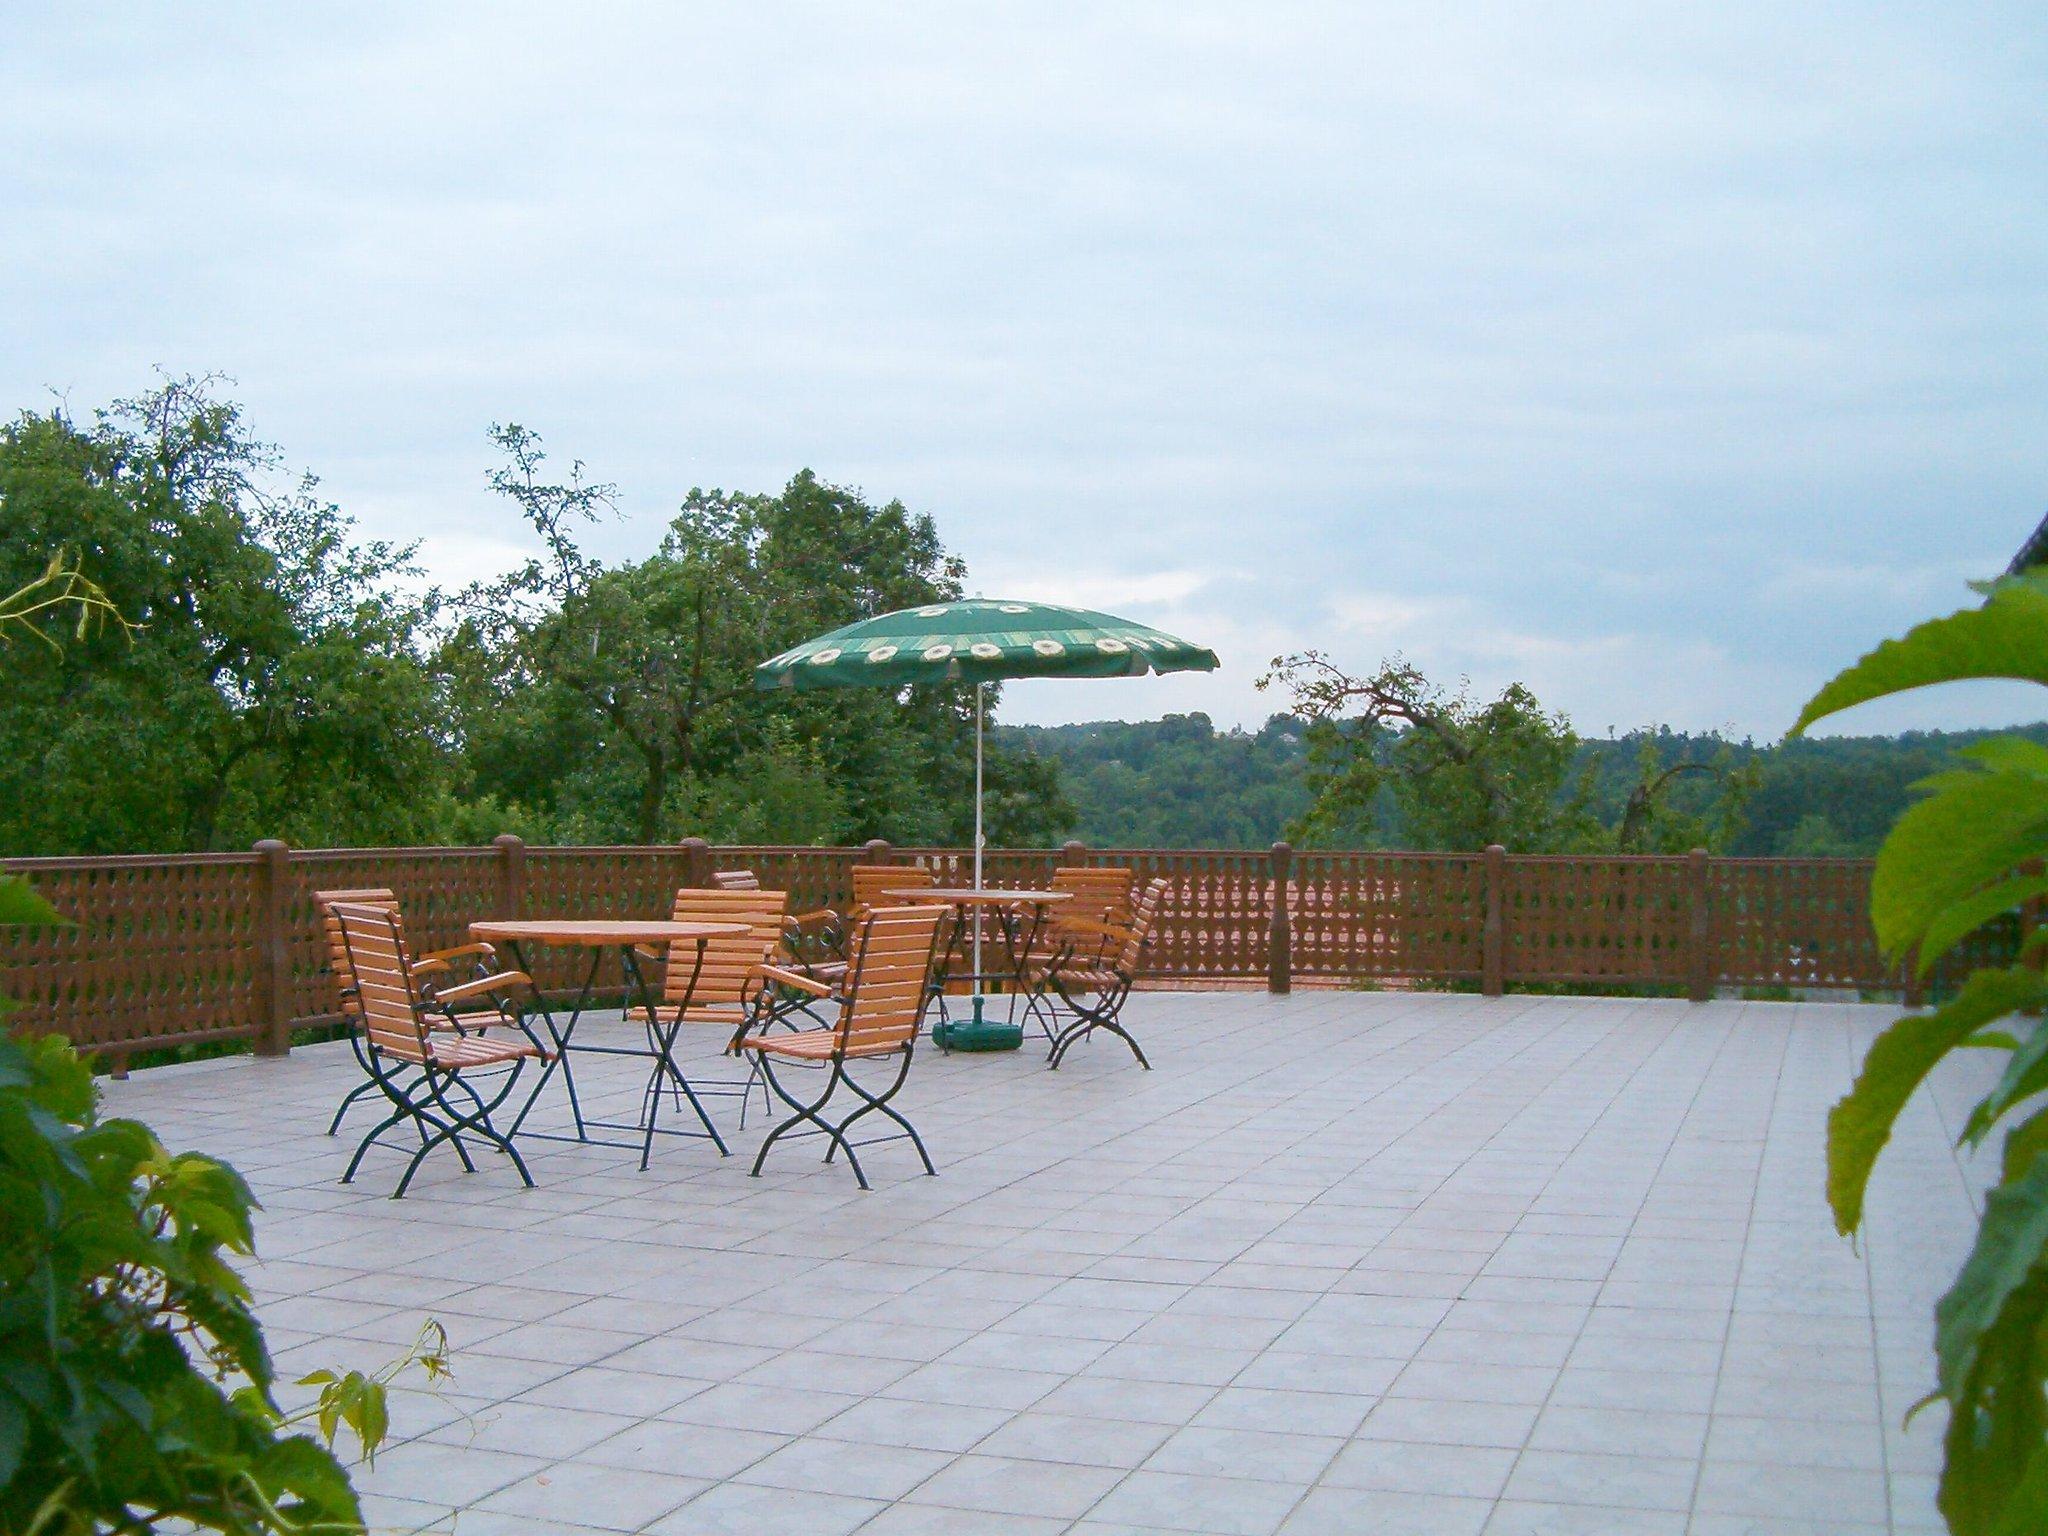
{"type": "Point", "coordinates": [177, 949]}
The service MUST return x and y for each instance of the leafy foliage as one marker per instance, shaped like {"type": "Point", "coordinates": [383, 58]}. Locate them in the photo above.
{"type": "Point", "coordinates": [619, 703]}
{"type": "Point", "coordinates": [1174, 783]}
{"type": "Point", "coordinates": [1461, 772]}
{"type": "Point", "coordinates": [282, 678]}
{"type": "Point", "coordinates": [264, 680]}
{"type": "Point", "coordinates": [1970, 851]}
{"type": "Point", "coordinates": [134, 1383]}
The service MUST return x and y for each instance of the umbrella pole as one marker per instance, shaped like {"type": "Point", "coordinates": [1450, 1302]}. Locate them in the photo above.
{"type": "Point", "coordinates": [979, 690]}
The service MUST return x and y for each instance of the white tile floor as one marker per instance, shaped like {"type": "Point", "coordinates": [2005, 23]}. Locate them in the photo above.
{"type": "Point", "coordinates": [1343, 1263]}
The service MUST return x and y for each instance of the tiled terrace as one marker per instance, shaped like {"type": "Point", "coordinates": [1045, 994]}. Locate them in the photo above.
{"type": "Point", "coordinates": [1345, 1263]}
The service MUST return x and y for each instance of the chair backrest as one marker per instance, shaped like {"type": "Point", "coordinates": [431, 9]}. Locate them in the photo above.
{"type": "Point", "coordinates": [1144, 917]}
{"type": "Point", "coordinates": [873, 882]}
{"type": "Point", "coordinates": [380, 970]}
{"type": "Point", "coordinates": [1109, 880]}
{"type": "Point", "coordinates": [888, 977]}
{"type": "Point", "coordinates": [735, 880]}
{"type": "Point", "coordinates": [732, 964]}
{"type": "Point", "coordinates": [337, 947]}
{"type": "Point", "coordinates": [1102, 893]}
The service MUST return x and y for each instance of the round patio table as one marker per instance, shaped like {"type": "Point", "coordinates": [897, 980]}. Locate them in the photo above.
{"type": "Point", "coordinates": [972, 901]}
{"type": "Point", "coordinates": [598, 935]}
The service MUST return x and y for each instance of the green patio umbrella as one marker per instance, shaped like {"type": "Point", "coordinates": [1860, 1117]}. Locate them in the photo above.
{"type": "Point", "coordinates": [980, 640]}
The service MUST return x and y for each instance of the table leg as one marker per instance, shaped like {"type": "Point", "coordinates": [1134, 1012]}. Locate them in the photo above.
{"type": "Point", "coordinates": [560, 1037]}
{"type": "Point", "coordinates": [1019, 955]}
{"type": "Point", "coordinates": [662, 1040]}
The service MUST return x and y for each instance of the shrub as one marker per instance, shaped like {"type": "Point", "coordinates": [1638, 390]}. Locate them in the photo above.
{"type": "Point", "coordinates": [135, 1387]}
{"type": "Point", "coordinates": [1968, 853]}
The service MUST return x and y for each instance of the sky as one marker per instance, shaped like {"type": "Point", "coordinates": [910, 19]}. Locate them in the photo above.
{"type": "Point", "coordinates": [1661, 357]}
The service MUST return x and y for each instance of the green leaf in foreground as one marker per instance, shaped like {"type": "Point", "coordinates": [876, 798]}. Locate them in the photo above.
{"type": "Point", "coordinates": [1899, 1061]}
{"type": "Point", "coordinates": [2026, 1511]}
{"type": "Point", "coordinates": [2006, 637]}
{"type": "Point", "coordinates": [2010, 1244]}
{"type": "Point", "coordinates": [1978, 825]}
{"type": "Point", "coordinates": [1997, 1425]}
{"type": "Point", "coordinates": [21, 906]}
{"type": "Point", "coordinates": [2026, 1074]}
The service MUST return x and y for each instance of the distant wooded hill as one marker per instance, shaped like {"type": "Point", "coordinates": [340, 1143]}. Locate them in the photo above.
{"type": "Point", "coordinates": [1181, 783]}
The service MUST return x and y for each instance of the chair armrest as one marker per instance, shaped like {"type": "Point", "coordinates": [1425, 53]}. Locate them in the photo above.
{"type": "Point", "coordinates": [459, 952]}
{"type": "Point", "coordinates": [777, 974]}
{"type": "Point", "coordinates": [820, 917]}
{"type": "Point", "coordinates": [483, 984]}
{"type": "Point", "coordinates": [1088, 926]}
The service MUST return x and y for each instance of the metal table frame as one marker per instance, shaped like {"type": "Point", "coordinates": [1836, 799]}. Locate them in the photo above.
{"type": "Point", "coordinates": [664, 1073]}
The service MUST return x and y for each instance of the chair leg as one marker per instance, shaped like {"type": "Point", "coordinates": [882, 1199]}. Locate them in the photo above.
{"type": "Point", "coordinates": [807, 1113]}
{"type": "Point", "coordinates": [363, 1089]}
{"type": "Point", "coordinates": [879, 1102]}
{"type": "Point", "coordinates": [349, 1173]}
{"type": "Point", "coordinates": [1104, 1015]}
{"type": "Point", "coordinates": [476, 1121]}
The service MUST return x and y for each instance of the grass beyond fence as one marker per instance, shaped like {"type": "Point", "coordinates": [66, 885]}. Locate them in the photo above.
{"type": "Point", "coordinates": [184, 949]}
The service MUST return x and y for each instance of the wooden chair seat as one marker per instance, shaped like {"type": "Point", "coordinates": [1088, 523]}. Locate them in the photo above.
{"type": "Point", "coordinates": [481, 1051]}
{"type": "Point", "coordinates": [817, 1045]}
{"type": "Point", "coordinates": [729, 1014]}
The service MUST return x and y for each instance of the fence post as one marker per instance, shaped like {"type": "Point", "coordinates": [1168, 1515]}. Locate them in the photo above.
{"type": "Point", "coordinates": [1279, 930]}
{"type": "Point", "coordinates": [1701, 970]}
{"type": "Point", "coordinates": [1493, 927]}
{"type": "Point", "coordinates": [696, 863]}
{"type": "Point", "coordinates": [1073, 853]}
{"type": "Point", "coordinates": [511, 874]}
{"type": "Point", "coordinates": [273, 951]}
{"type": "Point", "coordinates": [876, 850]}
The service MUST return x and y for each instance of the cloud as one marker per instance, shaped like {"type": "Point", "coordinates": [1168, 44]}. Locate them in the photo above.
{"type": "Point", "coordinates": [1665, 366]}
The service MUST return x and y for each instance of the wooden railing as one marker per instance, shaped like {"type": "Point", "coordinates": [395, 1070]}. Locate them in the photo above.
{"type": "Point", "coordinates": [185, 948]}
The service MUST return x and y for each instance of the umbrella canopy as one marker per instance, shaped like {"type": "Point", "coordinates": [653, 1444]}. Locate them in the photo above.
{"type": "Point", "coordinates": [980, 640]}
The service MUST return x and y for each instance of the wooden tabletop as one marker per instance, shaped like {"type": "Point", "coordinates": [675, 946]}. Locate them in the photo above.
{"type": "Point", "coordinates": [595, 933]}
{"type": "Point", "coordinates": [968, 896]}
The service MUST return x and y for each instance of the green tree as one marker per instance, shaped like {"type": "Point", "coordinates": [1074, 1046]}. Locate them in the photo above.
{"type": "Point", "coordinates": [270, 683]}
{"type": "Point", "coordinates": [1459, 772]}
{"type": "Point", "coordinates": [1970, 852]}
{"type": "Point", "coordinates": [619, 702]}
{"type": "Point", "coordinates": [1654, 820]}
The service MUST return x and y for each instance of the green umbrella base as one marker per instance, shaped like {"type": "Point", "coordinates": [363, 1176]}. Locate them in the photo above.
{"type": "Point", "coordinates": [966, 1035]}
{"type": "Point", "coordinates": [977, 1032]}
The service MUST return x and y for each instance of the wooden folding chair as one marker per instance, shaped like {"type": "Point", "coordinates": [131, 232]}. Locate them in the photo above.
{"type": "Point", "coordinates": [881, 1006]}
{"type": "Point", "coordinates": [415, 1065]}
{"type": "Point", "coordinates": [718, 982]}
{"type": "Point", "coordinates": [873, 882]}
{"type": "Point", "coordinates": [811, 941]}
{"type": "Point", "coordinates": [1101, 899]}
{"type": "Point", "coordinates": [1094, 987]}
{"type": "Point", "coordinates": [1111, 887]}
{"type": "Point", "coordinates": [430, 968]}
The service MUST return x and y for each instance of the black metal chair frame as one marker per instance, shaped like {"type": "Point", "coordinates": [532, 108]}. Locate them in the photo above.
{"type": "Point", "coordinates": [809, 1113]}
{"type": "Point", "coordinates": [369, 1085]}
{"type": "Point", "coordinates": [1103, 1012]}
{"type": "Point", "coordinates": [418, 1091]}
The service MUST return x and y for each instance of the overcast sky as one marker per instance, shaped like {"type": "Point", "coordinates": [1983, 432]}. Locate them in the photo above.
{"type": "Point", "coordinates": [1663, 358]}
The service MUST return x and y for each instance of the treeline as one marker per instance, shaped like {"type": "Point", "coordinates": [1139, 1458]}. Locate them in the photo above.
{"type": "Point", "coordinates": [1182, 783]}
{"type": "Point", "coordinates": [269, 673]}
{"type": "Point", "coordinates": [273, 675]}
